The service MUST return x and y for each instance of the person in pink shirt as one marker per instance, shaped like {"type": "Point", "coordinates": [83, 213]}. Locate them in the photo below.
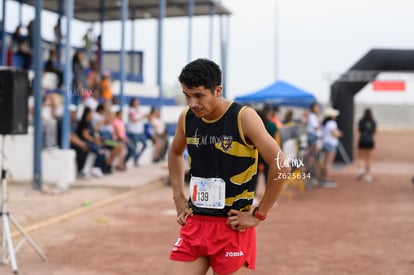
{"type": "Point", "coordinates": [121, 136]}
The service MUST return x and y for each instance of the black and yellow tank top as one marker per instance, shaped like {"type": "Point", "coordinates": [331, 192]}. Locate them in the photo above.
{"type": "Point", "coordinates": [218, 150]}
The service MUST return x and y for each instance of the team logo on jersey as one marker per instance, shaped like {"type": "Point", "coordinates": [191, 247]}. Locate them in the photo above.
{"type": "Point", "coordinates": [225, 142]}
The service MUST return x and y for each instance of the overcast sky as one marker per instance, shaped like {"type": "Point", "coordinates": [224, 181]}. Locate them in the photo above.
{"type": "Point", "coordinates": [300, 41]}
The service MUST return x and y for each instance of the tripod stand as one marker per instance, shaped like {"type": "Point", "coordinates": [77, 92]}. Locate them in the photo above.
{"type": "Point", "coordinates": [6, 241]}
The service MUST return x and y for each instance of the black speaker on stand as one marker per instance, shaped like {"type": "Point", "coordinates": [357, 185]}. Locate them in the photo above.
{"type": "Point", "coordinates": [14, 92]}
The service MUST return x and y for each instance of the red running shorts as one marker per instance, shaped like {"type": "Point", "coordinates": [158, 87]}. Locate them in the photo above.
{"type": "Point", "coordinates": [226, 249]}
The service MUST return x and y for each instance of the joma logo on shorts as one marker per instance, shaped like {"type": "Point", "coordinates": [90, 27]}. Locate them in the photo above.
{"type": "Point", "coordinates": [234, 254]}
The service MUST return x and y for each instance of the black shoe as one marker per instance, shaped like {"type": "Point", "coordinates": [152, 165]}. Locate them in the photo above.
{"type": "Point", "coordinates": [107, 169]}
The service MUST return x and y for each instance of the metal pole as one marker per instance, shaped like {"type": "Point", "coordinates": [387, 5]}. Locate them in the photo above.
{"type": "Point", "coordinates": [211, 16]}
{"type": "Point", "coordinates": [59, 33]}
{"type": "Point", "coordinates": [162, 8]}
{"type": "Point", "coordinates": [3, 36]}
{"type": "Point", "coordinates": [20, 12]}
{"type": "Point", "coordinates": [190, 29]}
{"type": "Point", "coordinates": [101, 20]}
{"type": "Point", "coordinates": [38, 67]}
{"type": "Point", "coordinates": [68, 77]}
{"type": "Point", "coordinates": [124, 10]}
{"type": "Point", "coordinates": [224, 48]}
{"type": "Point", "coordinates": [132, 53]}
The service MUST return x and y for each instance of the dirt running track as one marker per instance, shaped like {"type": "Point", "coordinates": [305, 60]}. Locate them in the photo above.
{"type": "Point", "coordinates": [356, 228]}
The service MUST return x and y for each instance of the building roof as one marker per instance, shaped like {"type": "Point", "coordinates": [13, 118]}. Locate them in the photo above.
{"type": "Point", "coordinates": [88, 10]}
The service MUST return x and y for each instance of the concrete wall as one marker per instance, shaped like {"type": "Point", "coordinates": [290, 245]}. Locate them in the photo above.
{"type": "Point", "coordinates": [58, 166]}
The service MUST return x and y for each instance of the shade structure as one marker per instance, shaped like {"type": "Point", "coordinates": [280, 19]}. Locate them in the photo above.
{"type": "Point", "coordinates": [279, 93]}
{"type": "Point", "coordinates": [89, 11]}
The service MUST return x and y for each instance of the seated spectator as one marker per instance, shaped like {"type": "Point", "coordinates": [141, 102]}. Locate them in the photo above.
{"type": "Point", "coordinates": [92, 101]}
{"type": "Point", "coordinates": [78, 145]}
{"type": "Point", "coordinates": [120, 135]}
{"type": "Point", "coordinates": [110, 142]}
{"type": "Point", "coordinates": [159, 135]}
{"type": "Point", "coordinates": [86, 133]}
{"type": "Point", "coordinates": [99, 116]}
{"type": "Point", "coordinates": [49, 121]}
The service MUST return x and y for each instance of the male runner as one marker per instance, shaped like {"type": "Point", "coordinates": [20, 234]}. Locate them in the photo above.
{"type": "Point", "coordinates": [223, 139]}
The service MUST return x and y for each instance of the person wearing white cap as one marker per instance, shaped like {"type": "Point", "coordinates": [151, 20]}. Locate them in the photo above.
{"type": "Point", "coordinates": [330, 133]}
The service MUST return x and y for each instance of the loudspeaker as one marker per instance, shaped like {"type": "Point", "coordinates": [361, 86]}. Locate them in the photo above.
{"type": "Point", "coordinates": [14, 93]}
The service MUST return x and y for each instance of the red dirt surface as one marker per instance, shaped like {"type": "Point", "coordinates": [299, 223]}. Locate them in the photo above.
{"type": "Point", "coordinates": [356, 228]}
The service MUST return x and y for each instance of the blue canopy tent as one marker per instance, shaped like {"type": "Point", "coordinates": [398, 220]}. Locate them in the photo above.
{"type": "Point", "coordinates": [279, 93]}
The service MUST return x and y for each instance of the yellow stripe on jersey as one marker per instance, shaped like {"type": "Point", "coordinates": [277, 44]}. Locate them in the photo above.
{"type": "Point", "coordinates": [246, 195]}
{"type": "Point", "coordinates": [245, 176]}
{"type": "Point", "coordinates": [241, 150]}
{"type": "Point", "coordinates": [237, 149]}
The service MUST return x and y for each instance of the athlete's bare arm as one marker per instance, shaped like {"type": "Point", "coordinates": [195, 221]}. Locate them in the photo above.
{"type": "Point", "coordinates": [256, 133]}
{"type": "Point", "coordinates": [176, 169]}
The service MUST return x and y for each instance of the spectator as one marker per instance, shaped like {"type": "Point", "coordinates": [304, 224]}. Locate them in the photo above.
{"type": "Point", "coordinates": [288, 117]}
{"type": "Point", "coordinates": [314, 132]}
{"type": "Point", "coordinates": [77, 144]}
{"type": "Point", "coordinates": [58, 32]}
{"type": "Point", "coordinates": [94, 78]}
{"type": "Point", "coordinates": [79, 83]}
{"type": "Point", "coordinates": [51, 66]}
{"type": "Point", "coordinates": [266, 115]}
{"type": "Point", "coordinates": [30, 34]}
{"type": "Point", "coordinates": [110, 142]}
{"type": "Point", "coordinates": [159, 134]}
{"type": "Point", "coordinates": [330, 133]}
{"type": "Point", "coordinates": [275, 117]}
{"type": "Point", "coordinates": [120, 136]}
{"type": "Point", "coordinates": [366, 128]}
{"type": "Point", "coordinates": [99, 116]}
{"type": "Point", "coordinates": [135, 129]}
{"type": "Point", "coordinates": [106, 86]}
{"type": "Point", "coordinates": [98, 50]}
{"type": "Point", "coordinates": [86, 133]}
{"type": "Point", "coordinates": [88, 43]}
{"type": "Point", "coordinates": [21, 47]}
{"type": "Point", "coordinates": [92, 101]}
{"type": "Point", "coordinates": [49, 121]}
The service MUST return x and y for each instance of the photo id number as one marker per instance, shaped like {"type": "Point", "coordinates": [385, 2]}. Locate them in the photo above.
{"type": "Point", "coordinates": [293, 176]}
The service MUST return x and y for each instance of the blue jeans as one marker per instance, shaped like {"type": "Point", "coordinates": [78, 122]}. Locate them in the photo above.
{"type": "Point", "coordinates": [98, 151]}
{"type": "Point", "coordinates": [135, 140]}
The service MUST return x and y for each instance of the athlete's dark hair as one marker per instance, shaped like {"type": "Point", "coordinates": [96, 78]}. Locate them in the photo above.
{"type": "Point", "coordinates": [368, 115]}
{"type": "Point", "coordinates": [201, 72]}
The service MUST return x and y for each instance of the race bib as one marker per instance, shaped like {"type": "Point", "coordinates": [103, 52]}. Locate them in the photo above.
{"type": "Point", "coordinates": [208, 193]}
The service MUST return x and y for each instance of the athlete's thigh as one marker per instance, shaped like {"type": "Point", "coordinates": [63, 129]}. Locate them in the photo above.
{"type": "Point", "coordinates": [196, 267]}
{"type": "Point", "coordinates": [242, 271]}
